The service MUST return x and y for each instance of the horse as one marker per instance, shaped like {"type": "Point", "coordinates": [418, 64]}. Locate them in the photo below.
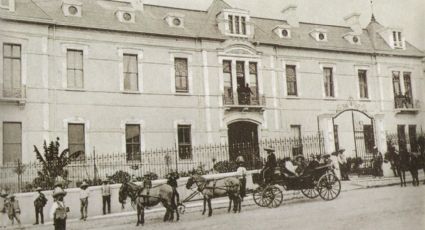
{"type": "Point", "coordinates": [162, 193]}
{"type": "Point", "coordinates": [211, 188]}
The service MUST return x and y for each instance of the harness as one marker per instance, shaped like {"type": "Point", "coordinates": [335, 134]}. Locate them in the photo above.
{"type": "Point", "coordinates": [202, 186]}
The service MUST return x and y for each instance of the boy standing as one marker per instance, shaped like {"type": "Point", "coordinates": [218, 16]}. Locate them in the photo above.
{"type": "Point", "coordinates": [84, 198]}
{"type": "Point", "coordinates": [241, 171]}
{"type": "Point", "coordinates": [58, 211]}
{"type": "Point", "coordinates": [13, 209]}
{"type": "Point", "coordinates": [106, 196]}
{"type": "Point", "coordinates": [39, 203]}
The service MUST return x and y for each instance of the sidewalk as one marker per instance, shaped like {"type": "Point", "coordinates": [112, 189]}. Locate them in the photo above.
{"type": "Point", "coordinates": [354, 183]}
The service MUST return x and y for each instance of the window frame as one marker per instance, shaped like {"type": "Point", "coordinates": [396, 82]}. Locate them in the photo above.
{"type": "Point", "coordinates": [180, 143]}
{"type": "Point", "coordinates": [413, 138]}
{"type": "Point", "coordinates": [4, 143]}
{"type": "Point", "coordinates": [134, 156]}
{"type": "Point", "coordinates": [363, 92]}
{"type": "Point", "coordinates": [13, 89]}
{"type": "Point", "coordinates": [124, 72]}
{"type": "Point", "coordinates": [81, 157]}
{"type": "Point", "coordinates": [237, 24]}
{"type": "Point", "coordinates": [294, 81]}
{"type": "Point", "coordinates": [332, 93]}
{"type": "Point", "coordinates": [177, 76]}
{"type": "Point", "coordinates": [67, 68]}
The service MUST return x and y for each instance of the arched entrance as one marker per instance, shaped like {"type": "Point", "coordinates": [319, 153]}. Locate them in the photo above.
{"type": "Point", "coordinates": [354, 131]}
{"type": "Point", "coordinates": [243, 140]}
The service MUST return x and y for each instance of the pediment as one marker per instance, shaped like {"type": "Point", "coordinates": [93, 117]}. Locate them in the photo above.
{"type": "Point", "coordinates": [239, 48]}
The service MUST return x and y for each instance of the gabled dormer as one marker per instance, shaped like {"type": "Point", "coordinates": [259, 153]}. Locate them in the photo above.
{"type": "Point", "coordinates": [283, 31]}
{"type": "Point", "coordinates": [393, 37]}
{"type": "Point", "coordinates": [174, 20]}
{"type": "Point", "coordinates": [235, 22]}
{"type": "Point", "coordinates": [352, 38]}
{"type": "Point", "coordinates": [72, 8]}
{"type": "Point", "coordinates": [126, 14]}
{"type": "Point", "coordinates": [319, 35]}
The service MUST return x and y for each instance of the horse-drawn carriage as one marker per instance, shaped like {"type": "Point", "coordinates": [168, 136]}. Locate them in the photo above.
{"type": "Point", "coordinates": [317, 180]}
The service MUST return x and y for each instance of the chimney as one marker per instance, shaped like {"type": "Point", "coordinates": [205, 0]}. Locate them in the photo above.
{"type": "Point", "coordinates": [137, 5]}
{"type": "Point", "coordinates": [353, 22]}
{"type": "Point", "coordinates": [290, 15]}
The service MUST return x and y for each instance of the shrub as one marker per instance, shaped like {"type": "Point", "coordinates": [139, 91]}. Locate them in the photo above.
{"type": "Point", "coordinates": [225, 166]}
{"type": "Point", "coordinates": [120, 177]}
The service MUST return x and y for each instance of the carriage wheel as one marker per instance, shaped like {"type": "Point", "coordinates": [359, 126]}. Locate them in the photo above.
{"type": "Point", "coordinates": [310, 193]}
{"type": "Point", "coordinates": [259, 198]}
{"type": "Point", "coordinates": [273, 196]}
{"type": "Point", "coordinates": [329, 186]}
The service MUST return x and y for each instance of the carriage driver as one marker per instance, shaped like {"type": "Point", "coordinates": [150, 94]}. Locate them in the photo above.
{"type": "Point", "coordinates": [270, 165]}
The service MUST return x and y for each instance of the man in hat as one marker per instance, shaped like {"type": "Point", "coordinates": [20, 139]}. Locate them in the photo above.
{"type": "Point", "coordinates": [13, 209]}
{"type": "Point", "coordinates": [106, 196]}
{"type": "Point", "coordinates": [241, 172]}
{"type": "Point", "coordinates": [270, 165]}
{"type": "Point", "coordinates": [3, 215]}
{"type": "Point", "coordinates": [84, 198]}
{"type": "Point", "coordinates": [58, 211]}
{"type": "Point", "coordinates": [147, 185]}
{"type": "Point", "coordinates": [301, 164]}
{"type": "Point", "coordinates": [377, 162]}
{"type": "Point", "coordinates": [40, 201]}
{"type": "Point", "coordinates": [342, 161]}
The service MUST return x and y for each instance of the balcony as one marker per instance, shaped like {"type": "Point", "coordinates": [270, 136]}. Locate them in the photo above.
{"type": "Point", "coordinates": [405, 104]}
{"type": "Point", "coordinates": [244, 102]}
{"type": "Point", "coordinates": [13, 94]}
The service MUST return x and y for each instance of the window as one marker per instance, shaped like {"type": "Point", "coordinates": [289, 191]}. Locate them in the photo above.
{"type": "Point", "coordinates": [227, 78]}
{"type": "Point", "coordinates": [132, 142]}
{"type": "Point", "coordinates": [75, 69]}
{"type": "Point", "coordinates": [12, 71]}
{"type": "Point", "coordinates": [413, 138]}
{"type": "Point", "coordinates": [363, 83]}
{"type": "Point", "coordinates": [237, 24]}
{"type": "Point", "coordinates": [397, 39]}
{"type": "Point", "coordinates": [185, 141]}
{"type": "Point", "coordinates": [408, 89]}
{"type": "Point", "coordinates": [181, 74]}
{"type": "Point", "coordinates": [12, 142]}
{"type": "Point", "coordinates": [402, 100]}
{"type": "Point", "coordinates": [329, 82]}
{"type": "Point", "coordinates": [402, 145]}
{"type": "Point", "coordinates": [130, 72]}
{"type": "Point", "coordinates": [76, 141]}
{"type": "Point", "coordinates": [369, 138]}
{"type": "Point", "coordinates": [291, 80]}
{"type": "Point", "coordinates": [297, 147]}
{"type": "Point", "coordinates": [252, 91]}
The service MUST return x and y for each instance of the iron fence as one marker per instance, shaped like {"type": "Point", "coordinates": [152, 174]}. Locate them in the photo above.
{"type": "Point", "coordinates": [212, 158]}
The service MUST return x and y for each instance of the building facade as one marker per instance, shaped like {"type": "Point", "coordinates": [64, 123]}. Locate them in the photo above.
{"type": "Point", "coordinates": [123, 76]}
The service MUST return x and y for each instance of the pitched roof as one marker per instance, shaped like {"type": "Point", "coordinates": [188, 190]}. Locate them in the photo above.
{"type": "Point", "coordinates": [100, 14]}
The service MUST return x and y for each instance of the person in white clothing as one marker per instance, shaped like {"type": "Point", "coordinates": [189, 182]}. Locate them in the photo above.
{"type": "Point", "coordinates": [290, 168]}
{"type": "Point", "coordinates": [241, 172]}
{"type": "Point", "coordinates": [58, 211]}
{"type": "Point", "coordinates": [84, 198]}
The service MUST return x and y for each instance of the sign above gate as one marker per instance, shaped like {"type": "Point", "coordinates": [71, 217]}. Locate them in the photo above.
{"type": "Point", "coordinates": [351, 104]}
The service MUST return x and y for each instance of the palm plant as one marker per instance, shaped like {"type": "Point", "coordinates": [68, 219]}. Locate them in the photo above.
{"type": "Point", "coordinates": [53, 164]}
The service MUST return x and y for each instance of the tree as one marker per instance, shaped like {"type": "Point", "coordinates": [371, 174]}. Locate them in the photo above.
{"type": "Point", "coordinates": [53, 164]}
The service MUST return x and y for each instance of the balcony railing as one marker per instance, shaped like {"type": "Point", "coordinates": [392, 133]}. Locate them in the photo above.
{"type": "Point", "coordinates": [404, 103]}
{"type": "Point", "coordinates": [244, 100]}
{"type": "Point", "coordinates": [13, 94]}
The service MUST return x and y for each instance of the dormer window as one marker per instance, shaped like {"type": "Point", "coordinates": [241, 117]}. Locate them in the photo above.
{"type": "Point", "coordinates": [283, 31]}
{"type": "Point", "coordinates": [237, 24]}
{"type": "Point", "coordinates": [175, 20]}
{"type": "Point", "coordinates": [352, 38]}
{"type": "Point", "coordinates": [126, 15]}
{"type": "Point", "coordinates": [355, 39]}
{"type": "Point", "coordinates": [397, 39]}
{"type": "Point", "coordinates": [72, 8]}
{"type": "Point", "coordinates": [320, 35]}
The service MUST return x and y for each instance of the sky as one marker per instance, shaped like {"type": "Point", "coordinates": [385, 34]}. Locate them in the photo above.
{"type": "Point", "coordinates": [408, 15]}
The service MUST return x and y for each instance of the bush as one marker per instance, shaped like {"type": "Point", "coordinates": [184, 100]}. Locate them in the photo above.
{"type": "Point", "coordinates": [119, 177]}
{"type": "Point", "coordinates": [225, 166]}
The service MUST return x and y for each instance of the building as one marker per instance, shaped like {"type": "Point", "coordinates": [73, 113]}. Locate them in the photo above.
{"type": "Point", "coordinates": [123, 76]}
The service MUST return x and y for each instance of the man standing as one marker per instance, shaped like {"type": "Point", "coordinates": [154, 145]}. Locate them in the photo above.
{"type": "Point", "coordinates": [58, 211]}
{"type": "Point", "coordinates": [377, 162]}
{"type": "Point", "coordinates": [106, 196]}
{"type": "Point", "coordinates": [39, 203]}
{"type": "Point", "coordinates": [270, 165]}
{"type": "Point", "coordinates": [84, 198]}
{"type": "Point", "coordinates": [13, 209]}
{"type": "Point", "coordinates": [342, 160]}
{"type": "Point", "coordinates": [3, 215]}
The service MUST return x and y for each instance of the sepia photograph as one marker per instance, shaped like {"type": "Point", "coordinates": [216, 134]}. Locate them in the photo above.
{"type": "Point", "coordinates": [212, 114]}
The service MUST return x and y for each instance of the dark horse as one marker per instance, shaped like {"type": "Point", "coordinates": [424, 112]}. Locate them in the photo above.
{"type": "Point", "coordinates": [211, 188]}
{"type": "Point", "coordinates": [162, 193]}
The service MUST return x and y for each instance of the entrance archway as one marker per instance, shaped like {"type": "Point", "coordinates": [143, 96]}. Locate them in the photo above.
{"type": "Point", "coordinates": [354, 131]}
{"type": "Point", "coordinates": [243, 141]}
